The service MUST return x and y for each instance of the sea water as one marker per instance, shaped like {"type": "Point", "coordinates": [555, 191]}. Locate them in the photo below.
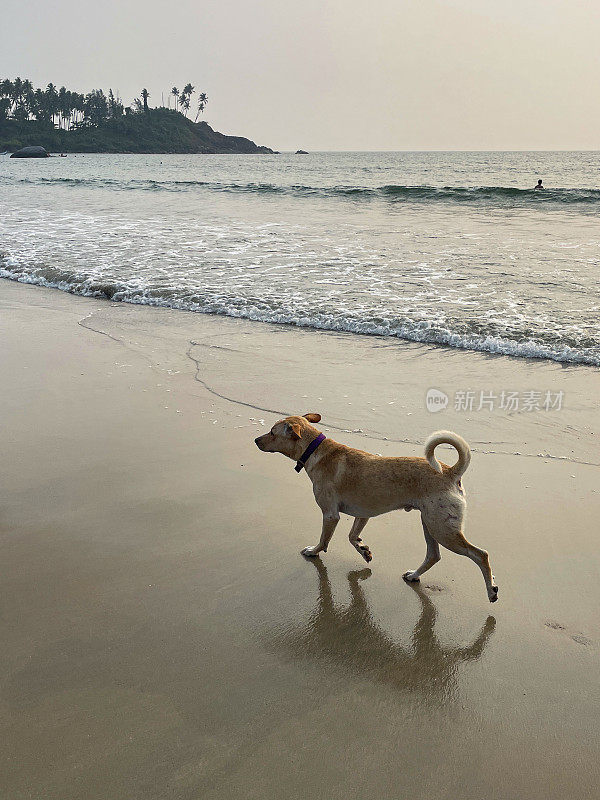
{"type": "Point", "coordinates": [455, 249]}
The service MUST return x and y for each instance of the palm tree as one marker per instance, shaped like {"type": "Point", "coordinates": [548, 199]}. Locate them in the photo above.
{"type": "Point", "coordinates": [64, 111]}
{"type": "Point", "coordinates": [186, 96]}
{"type": "Point", "coordinates": [80, 107]}
{"type": "Point", "coordinates": [39, 105]}
{"type": "Point", "coordinates": [115, 106]}
{"type": "Point", "coordinates": [184, 102]}
{"type": "Point", "coordinates": [6, 88]}
{"type": "Point", "coordinates": [202, 101]}
{"type": "Point", "coordinates": [6, 93]}
{"type": "Point", "coordinates": [175, 93]}
{"type": "Point", "coordinates": [16, 92]}
{"type": "Point", "coordinates": [27, 96]}
{"type": "Point", "coordinates": [96, 108]}
{"type": "Point", "coordinates": [145, 96]}
{"type": "Point", "coordinates": [52, 100]}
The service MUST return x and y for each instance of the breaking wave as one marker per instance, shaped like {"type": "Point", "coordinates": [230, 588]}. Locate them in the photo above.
{"type": "Point", "coordinates": [480, 336]}
{"type": "Point", "coordinates": [495, 195]}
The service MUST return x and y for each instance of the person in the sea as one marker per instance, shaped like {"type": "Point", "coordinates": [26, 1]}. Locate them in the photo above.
{"type": "Point", "coordinates": [539, 184]}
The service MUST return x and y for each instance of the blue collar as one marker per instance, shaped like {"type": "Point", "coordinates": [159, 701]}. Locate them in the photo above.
{"type": "Point", "coordinates": [309, 451]}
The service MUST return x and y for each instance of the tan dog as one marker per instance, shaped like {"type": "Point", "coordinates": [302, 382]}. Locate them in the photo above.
{"type": "Point", "coordinates": [364, 485]}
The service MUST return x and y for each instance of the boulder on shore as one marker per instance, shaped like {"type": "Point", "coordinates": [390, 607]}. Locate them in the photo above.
{"type": "Point", "coordinates": [30, 152]}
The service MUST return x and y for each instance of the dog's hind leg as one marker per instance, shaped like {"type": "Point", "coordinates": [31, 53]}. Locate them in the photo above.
{"type": "Point", "coordinates": [330, 522]}
{"type": "Point", "coordinates": [355, 540]}
{"type": "Point", "coordinates": [432, 556]}
{"type": "Point", "coordinates": [456, 542]}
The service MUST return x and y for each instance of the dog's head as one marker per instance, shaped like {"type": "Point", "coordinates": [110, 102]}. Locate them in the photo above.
{"type": "Point", "coordinates": [290, 436]}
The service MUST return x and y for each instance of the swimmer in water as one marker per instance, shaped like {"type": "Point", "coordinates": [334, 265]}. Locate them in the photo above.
{"type": "Point", "coordinates": [539, 184]}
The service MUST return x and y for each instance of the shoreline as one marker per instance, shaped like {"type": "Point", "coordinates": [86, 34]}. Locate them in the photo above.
{"type": "Point", "coordinates": [163, 636]}
{"type": "Point", "coordinates": [109, 292]}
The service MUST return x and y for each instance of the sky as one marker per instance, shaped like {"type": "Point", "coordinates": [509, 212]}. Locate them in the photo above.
{"type": "Point", "coordinates": [334, 74]}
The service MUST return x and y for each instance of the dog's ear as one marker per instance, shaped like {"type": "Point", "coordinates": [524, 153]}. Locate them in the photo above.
{"type": "Point", "coordinates": [313, 418]}
{"type": "Point", "coordinates": [294, 430]}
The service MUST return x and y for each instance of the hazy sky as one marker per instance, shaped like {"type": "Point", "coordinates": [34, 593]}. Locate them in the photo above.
{"type": "Point", "coordinates": [334, 74]}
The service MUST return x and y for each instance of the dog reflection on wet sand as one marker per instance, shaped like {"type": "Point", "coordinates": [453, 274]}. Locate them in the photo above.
{"type": "Point", "coordinates": [348, 635]}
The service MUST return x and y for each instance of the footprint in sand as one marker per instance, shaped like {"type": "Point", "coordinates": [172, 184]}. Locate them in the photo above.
{"type": "Point", "coordinates": [581, 639]}
{"type": "Point", "coordinates": [576, 637]}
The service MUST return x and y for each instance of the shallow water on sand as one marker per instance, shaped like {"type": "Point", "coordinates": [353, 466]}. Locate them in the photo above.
{"type": "Point", "coordinates": [375, 389]}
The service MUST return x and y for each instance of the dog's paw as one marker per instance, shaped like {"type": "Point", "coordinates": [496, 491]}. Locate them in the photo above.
{"type": "Point", "coordinates": [310, 551]}
{"type": "Point", "coordinates": [411, 577]}
{"type": "Point", "coordinates": [493, 594]}
{"type": "Point", "coordinates": [365, 553]}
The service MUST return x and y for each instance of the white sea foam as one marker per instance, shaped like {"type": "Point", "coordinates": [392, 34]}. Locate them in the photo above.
{"type": "Point", "coordinates": [424, 332]}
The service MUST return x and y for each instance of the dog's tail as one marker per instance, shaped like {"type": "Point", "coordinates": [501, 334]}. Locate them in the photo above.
{"type": "Point", "coordinates": [447, 437]}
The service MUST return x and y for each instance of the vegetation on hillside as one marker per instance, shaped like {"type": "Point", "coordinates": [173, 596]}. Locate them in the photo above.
{"type": "Point", "coordinates": [67, 121]}
{"type": "Point", "coordinates": [68, 110]}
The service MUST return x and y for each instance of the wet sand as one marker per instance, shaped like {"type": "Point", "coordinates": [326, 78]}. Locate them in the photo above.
{"type": "Point", "coordinates": [163, 637]}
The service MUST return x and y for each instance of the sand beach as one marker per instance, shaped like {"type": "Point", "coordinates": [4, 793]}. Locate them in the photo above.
{"type": "Point", "coordinates": [163, 637]}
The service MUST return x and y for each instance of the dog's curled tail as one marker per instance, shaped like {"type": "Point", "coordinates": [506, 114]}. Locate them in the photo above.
{"type": "Point", "coordinates": [447, 437]}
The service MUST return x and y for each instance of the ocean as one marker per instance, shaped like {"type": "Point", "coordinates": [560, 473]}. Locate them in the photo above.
{"type": "Point", "coordinates": [454, 249]}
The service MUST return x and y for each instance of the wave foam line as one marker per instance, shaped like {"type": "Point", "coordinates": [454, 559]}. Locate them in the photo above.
{"type": "Point", "coordinates": [411, 332]}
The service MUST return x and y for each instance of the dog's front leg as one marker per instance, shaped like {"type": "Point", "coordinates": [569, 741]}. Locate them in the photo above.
{"type": "Point", "coordinates": [329, 524]}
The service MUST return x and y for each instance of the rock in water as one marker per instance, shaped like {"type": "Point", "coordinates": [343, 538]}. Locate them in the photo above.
{"type": "Point", "coordinates": [30, 152]}
{"type": "Point", "coordinates": [301, 153]}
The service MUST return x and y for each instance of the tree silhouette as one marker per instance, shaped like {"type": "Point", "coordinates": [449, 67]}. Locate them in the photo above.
{"type": "Point", "coordinates": [95, 108]}
{"type": "Point", "coordinates": [68, 110]}
{"type": "Point", "coordinates": [16, 92]}
{"type": "Point", "coordinates": [185, 97]}
{"type": "Point", "coordinates": [184, 102]}
{"type": "Point", "coordinates": [115, 106]}
{"type": "Point", "coordinates": [27, 97]}
{"type": "Point", "coordinates": [64, 108]}
{"type": "Point", "coordinates": [51, 101]}
{"type": "Point", "coordinates": [202, 101]}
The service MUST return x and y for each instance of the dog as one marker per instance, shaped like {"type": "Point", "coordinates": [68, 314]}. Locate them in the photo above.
{"type": "Point", "coordinates": [364, 485]}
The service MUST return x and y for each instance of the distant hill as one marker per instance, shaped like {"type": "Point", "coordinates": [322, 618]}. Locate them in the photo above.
{"type": "Point", "coordinates": [158, 130]}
